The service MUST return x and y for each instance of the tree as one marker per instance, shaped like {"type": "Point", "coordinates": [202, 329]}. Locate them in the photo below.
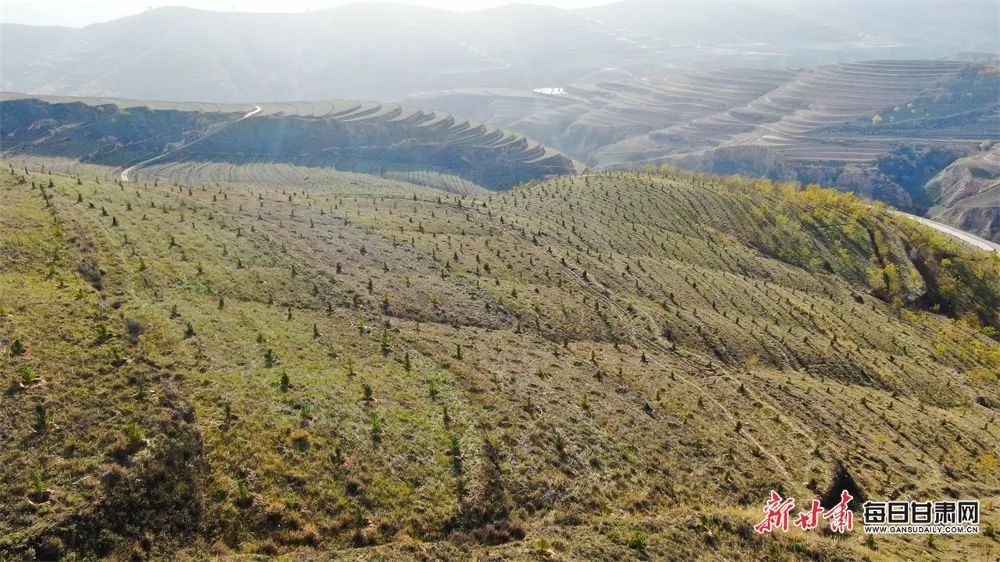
{"type": "Point", "coordinates": [41, 418]}
{"type": "Point", "coordinates": [27, 374]}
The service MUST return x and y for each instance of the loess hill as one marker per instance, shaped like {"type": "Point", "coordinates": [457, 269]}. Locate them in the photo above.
{"type": "Point", "coordinates": [428, 147]}
{"type": "Point", "coordinates": [602, 366]}
{"type": "Point", "coordinates": [881, 128]}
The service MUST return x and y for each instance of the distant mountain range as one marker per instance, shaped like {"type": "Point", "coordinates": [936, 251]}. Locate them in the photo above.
{"type": "Point", "coordinates": [385, 51]}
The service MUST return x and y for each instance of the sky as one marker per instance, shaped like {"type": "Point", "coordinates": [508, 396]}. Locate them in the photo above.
{"type": "Point", "coordinates": [78, 13]}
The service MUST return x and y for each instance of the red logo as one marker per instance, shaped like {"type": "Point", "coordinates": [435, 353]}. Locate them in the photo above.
{"type": "Point", "coordinates": [777, 509]}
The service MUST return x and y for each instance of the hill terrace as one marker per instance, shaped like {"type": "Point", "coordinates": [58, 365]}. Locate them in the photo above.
{"type": "Point", "coordinates": [879, 128]}
{"type": "Point", "coordinates": [362, 136]}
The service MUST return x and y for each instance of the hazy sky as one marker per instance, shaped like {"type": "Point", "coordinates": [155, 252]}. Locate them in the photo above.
{"type": "Point", "coordinates": [78, 13]}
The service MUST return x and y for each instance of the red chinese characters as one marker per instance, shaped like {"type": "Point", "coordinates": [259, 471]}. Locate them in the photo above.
{"type": "Point", "coordinates": [810, 519]}
{"type": "Point", "coordinates": [840, 516]}
{"type": "Point", "coordinates": [777, 509]}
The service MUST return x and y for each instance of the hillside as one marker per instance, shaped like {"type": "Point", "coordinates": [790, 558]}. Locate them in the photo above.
{"type": "Point", "coordinates": [967, 194]}
{"type": "Point", "coordinates": [384, 51]}
{"type": "Point", "coordinates": [425, 146]}
{"type": "Point", "coordinates": [881, 129]}
{"type": "Point", "coordinates": [609, 365]}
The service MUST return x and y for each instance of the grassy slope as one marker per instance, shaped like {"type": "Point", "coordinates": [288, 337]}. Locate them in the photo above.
{"type": "Point", "coordinates": [591, 360]}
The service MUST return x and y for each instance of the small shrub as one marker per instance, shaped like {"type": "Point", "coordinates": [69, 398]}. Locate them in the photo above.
{"type": "Point", "coordinates": [42, 420]}
{"type": "Point", "coordinates": [637, 541]}
{"type": "Point", "coordinates": [376, 428]}
{"type": "Point", "coordinates": [300, 439]}
{"type": "Point", "coordinates": [102, 333]}
{"type": "Point", "coordinates": [17, 347]}
{"type": "Point", "coordinates": [134, 434]}
{"type": "Point", "coordinates": [134, 329]}
{"type": "Point", "coordinates": [39, 493]}
{"type": "Point", "coordinates": [26, 374]}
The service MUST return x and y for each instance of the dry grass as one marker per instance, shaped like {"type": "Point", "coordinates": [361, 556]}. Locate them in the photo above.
{"type": "Point", "coordinates": [567, 363]}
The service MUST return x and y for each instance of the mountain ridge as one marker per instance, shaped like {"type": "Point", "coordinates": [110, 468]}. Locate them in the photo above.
{"type": "Point", "coordinates": [383, 51]}
{"type": "Point", "coordinates": [366, 136]}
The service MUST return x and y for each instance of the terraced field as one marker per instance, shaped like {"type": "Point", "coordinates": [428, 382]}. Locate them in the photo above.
{"type": "Point", "coordinates": [610, 365]}
{"type": "Point", "coordinates": [788, 120]}
{"type": "Point", "coordinates": [366, 137]}
{"type": "Point", "coordinates": [797, 116]}
{"type": "Point", "coordinates": [586, 118]}
{"type": "Point", "coordinates": [881, 129]}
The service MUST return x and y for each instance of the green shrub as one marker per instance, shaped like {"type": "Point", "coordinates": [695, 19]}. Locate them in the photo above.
{"type": "Point", "coordinates": [134, 434]}
{"type": "Point", "coordinates": [37, 483]}
{"type": "Point", "coordinates": [26, 374]}
{"type": "Point", "coordinates": [42, 420]}
{"type": "Point", "coordinates": [637, 541]}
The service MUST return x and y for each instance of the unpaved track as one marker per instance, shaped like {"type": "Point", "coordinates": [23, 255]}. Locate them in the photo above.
{"type": "Point", "coordinates": [125, 173]}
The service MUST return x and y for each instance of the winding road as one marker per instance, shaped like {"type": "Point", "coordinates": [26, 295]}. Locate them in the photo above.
{"type": "Point", "coordinates": [125, 173]}
{"type": "Point", "coordinates": [968, 238]}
